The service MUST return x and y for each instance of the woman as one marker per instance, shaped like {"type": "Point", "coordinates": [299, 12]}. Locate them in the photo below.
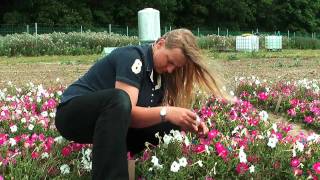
{"type": "Point", "coordinates": [131, 94]}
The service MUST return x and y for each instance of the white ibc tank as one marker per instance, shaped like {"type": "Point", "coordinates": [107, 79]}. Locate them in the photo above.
{"type": "Point", "coordinates": [149, 25]}
{"type": "Point", "coordinates": [273, 42]}
{"type": "Point", "coordinates": [247, 43]}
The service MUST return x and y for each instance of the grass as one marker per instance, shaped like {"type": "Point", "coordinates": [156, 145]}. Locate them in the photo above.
{"type": "Point", "coordinates": [264, 54]}
{"type": "Point", "coordinates": [81, 59]}
{"type": "Point", "coordinates": [89, 59]}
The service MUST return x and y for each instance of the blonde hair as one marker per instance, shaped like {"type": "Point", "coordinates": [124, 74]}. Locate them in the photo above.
{"type": "Point", "coordinates": [179, 90]}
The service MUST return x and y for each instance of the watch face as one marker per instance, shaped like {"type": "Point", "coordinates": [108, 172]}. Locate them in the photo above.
{"type": "Point", "coordinates": [163, 112]}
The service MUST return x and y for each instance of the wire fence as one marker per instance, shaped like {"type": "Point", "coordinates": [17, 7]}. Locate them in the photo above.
{"type": "Point", "coordinates": [37, 28]}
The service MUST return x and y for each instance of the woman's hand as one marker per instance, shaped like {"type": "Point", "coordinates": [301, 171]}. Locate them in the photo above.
{"type": "Point", "coordinates": [184, 118]}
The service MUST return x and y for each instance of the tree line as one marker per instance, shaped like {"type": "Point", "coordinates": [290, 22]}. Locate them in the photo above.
{"type": "Point", "coordinates": [267, 15]}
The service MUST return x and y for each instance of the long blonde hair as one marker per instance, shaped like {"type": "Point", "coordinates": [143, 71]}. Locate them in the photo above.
{"type": "Point", "coordinates": [180, 84]}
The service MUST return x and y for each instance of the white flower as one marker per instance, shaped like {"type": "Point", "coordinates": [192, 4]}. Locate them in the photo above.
{"type": "Point", "coordinates": [294, 153]}
{"type": "Point", "coordinates": [272, 141]}
{"type": "Point", "coordinates": [274, 127]}
{"type": "Point", "coordinates": [13, 128]}
{"type": "Point", "coordinates": [12, 141]}
{"type": "Point", "coordinates": [299, 146]}
{"type": "Point", "coordinates": [52, 114]}
{"type": "Point", "coordinates": [155, 162]}
{"type": "Point", "coordinates": [242, 155]}
{"type": "Point", "coordinates": [65, 169]}
{"type": "Point", "coordinates": [186, 141]}
{"type": "Point", "coordinates": [59, 93]}
{"type": "Point", "coordinates": [167, 139]}
{"type": "Point", "coordinates": [175, 167]}
{"type": "Point", "coordinates": [86, 162]}
{"type": "Point", "coordinates": [30, 127]}
{"type": "Point", "coordinates": [44, 114]}
{"type": "Point", "coordinates": [23, 120]}
{"type": "Point", "coordinates": [44, 155]}
{"type": "Point", "coordinates": [264, 115]}
{"type": "Point", "coordinates": [251, 169]}
{"type": "Point", "coordinates": [58, 139]}
{"type": "Point", "coordinates": [183, 162]}
{"type": "Point", "coordinates": [199, 163]}
{"type": "Point", "coordinates": [176, 135]}
{"type": "Point", "coordinates": [231, 93]}
{"type": "Point", "coordinates": [136, 67]}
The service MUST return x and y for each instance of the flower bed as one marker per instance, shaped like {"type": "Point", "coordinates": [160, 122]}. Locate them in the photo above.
{"type": "Point", "coordinates": [242, 142]}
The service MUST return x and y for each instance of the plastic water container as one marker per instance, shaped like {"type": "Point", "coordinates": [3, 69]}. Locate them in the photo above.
{"type": "Point", "coordinates": [107, 50]}
{"type": "Point", "coordinates": [273, 42]}
{"type": "Point", "coordinates": [247, 43]}
{"type": "Point", "coordinates": [149, 25]}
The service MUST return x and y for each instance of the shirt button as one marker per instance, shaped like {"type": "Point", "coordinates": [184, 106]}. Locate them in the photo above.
{"type": "Point", "coordinates": [152, 89]}
{"type": "Point", "coordinates": [151, 100]}
{"type": "Point", "coordinates": [152, 95]}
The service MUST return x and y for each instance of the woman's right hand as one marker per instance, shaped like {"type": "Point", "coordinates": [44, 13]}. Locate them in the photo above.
{"type": "Point", "coordinates": [182, 117]}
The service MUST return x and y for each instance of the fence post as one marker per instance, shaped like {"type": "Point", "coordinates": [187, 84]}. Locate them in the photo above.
{"type": "Point", "coordinates": [36, 28]}
{"type": "Point", "coordinates": [198, 31]}
{"type": "Point", "coordinates": [109, 28]}
{"type": "Point", "coordinates": [257, 31]}
{"type": "Point", "coordinates": [127, 31]}
{"type": "Point", "coordinates": [288, 34]}
{"type": "Point", "coordinates": [227, 32]}
{"type": "Point", "coordinates": [165, 29]}
{"type": "Point", "coordinates": [218, 31]}
{"type": "Point", "coordinates": [28, 28]}
{"type": "Point", "coordinates": [81, 29]}
{"type": "Point", "coordinates": [169, 28]}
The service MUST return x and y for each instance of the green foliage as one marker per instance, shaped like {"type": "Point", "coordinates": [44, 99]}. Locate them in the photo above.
{"type": "Point", "coordinates": [269, 15]}
{"type": "Point", "coordinates": [61, 43]}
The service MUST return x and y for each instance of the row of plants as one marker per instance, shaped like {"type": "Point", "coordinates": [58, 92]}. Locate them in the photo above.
{"type": "Point", "coordinates": [242, 143]}
{"type": "Point", "coordinates": [57, 43]}
{"type": "Point", "coordinates": [298, 101]}
{"type": "Point", "coordinates": [77, 43]}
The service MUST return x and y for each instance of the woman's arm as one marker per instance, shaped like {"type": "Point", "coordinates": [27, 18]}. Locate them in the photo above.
{"type": "Point", "coordinates": [144, 117]}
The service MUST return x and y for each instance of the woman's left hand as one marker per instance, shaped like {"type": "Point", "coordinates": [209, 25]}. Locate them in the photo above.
{"type": "Point", "coordinates": [202, 129]}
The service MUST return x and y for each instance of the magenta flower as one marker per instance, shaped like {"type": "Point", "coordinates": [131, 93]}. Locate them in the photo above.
{"type": "Point", "coordinates": [34, 155]}
{"type": "Point", "coordinates": [295, 162]}
{"type": "Point", "coordinates": [242, 168]}
{"type": "Point", "coordinates": [263, 96]}
{"type": "Point", "coordinates": [66, 151]}
{"type": "Point", "coordinates": [213, 134]}
{"type": "Point", "coordinates": [308, 119]}
{"type": "Point", "coordinates": [316, 167]}
{"type": "Point", "coordinates": [200, 148]}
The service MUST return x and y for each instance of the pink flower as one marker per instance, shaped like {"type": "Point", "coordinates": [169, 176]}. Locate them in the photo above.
{"type": "Point", "coordinates": [263, 96]}
{"type": "Point", "coordinates": [213, 134]}
{"type": "Point", "coordinates": [295, 162]}
{"type": "Point", "coordinates": [308, 119]}
{"type": "Point", "coordinates": [297, 171]}
{"type": "Point", "coordinates": [34, 155]}
{"type": "Point", "coordinates": [66, 151]}
{"type": "Point", "coordinates": [242, 168]}
{"type": "Point", "coordinates": [292, 112]}
{"type": "Point", "coordinates": [316, 167]}
{"type": "Point", "coordinates": [200, 148]}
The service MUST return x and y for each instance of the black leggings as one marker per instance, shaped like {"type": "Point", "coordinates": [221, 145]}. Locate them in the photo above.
{"type": "Point", "coordinates": [102, 118]}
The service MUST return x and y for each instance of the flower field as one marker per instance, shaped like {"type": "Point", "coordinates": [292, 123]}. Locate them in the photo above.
{"type": "Point", "coordinates": [243, 141]}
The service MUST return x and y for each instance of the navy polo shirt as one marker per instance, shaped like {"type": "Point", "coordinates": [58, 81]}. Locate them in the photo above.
{"type": "Point", "coordinates": [130, 64]}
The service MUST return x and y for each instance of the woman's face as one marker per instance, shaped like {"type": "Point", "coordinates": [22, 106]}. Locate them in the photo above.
{"type": "Point", "coordinates": [167, 60]}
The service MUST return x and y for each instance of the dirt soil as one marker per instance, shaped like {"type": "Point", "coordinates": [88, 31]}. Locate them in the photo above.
{"type": "Point", "coordinates": [269, 69]}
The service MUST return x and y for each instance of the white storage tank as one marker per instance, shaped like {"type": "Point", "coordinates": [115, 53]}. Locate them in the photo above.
{"type": "Point", "coordinates": [149, 25]}
{"type": "Point", "coordinates": [273, 42]}
{"type": "Point", "coordinates": [247, 42]}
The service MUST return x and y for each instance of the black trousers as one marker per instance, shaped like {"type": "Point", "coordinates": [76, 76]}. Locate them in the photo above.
{"type": "Point", "coordinates": [102, 118]}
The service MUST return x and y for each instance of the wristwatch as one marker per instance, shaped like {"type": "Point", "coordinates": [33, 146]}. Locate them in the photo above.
{"type": "Point", "coordinates": [163, 113]}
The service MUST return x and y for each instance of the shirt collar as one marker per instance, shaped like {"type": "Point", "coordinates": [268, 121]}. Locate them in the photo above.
{"type": "Point", "coordinates": [149, 66]}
